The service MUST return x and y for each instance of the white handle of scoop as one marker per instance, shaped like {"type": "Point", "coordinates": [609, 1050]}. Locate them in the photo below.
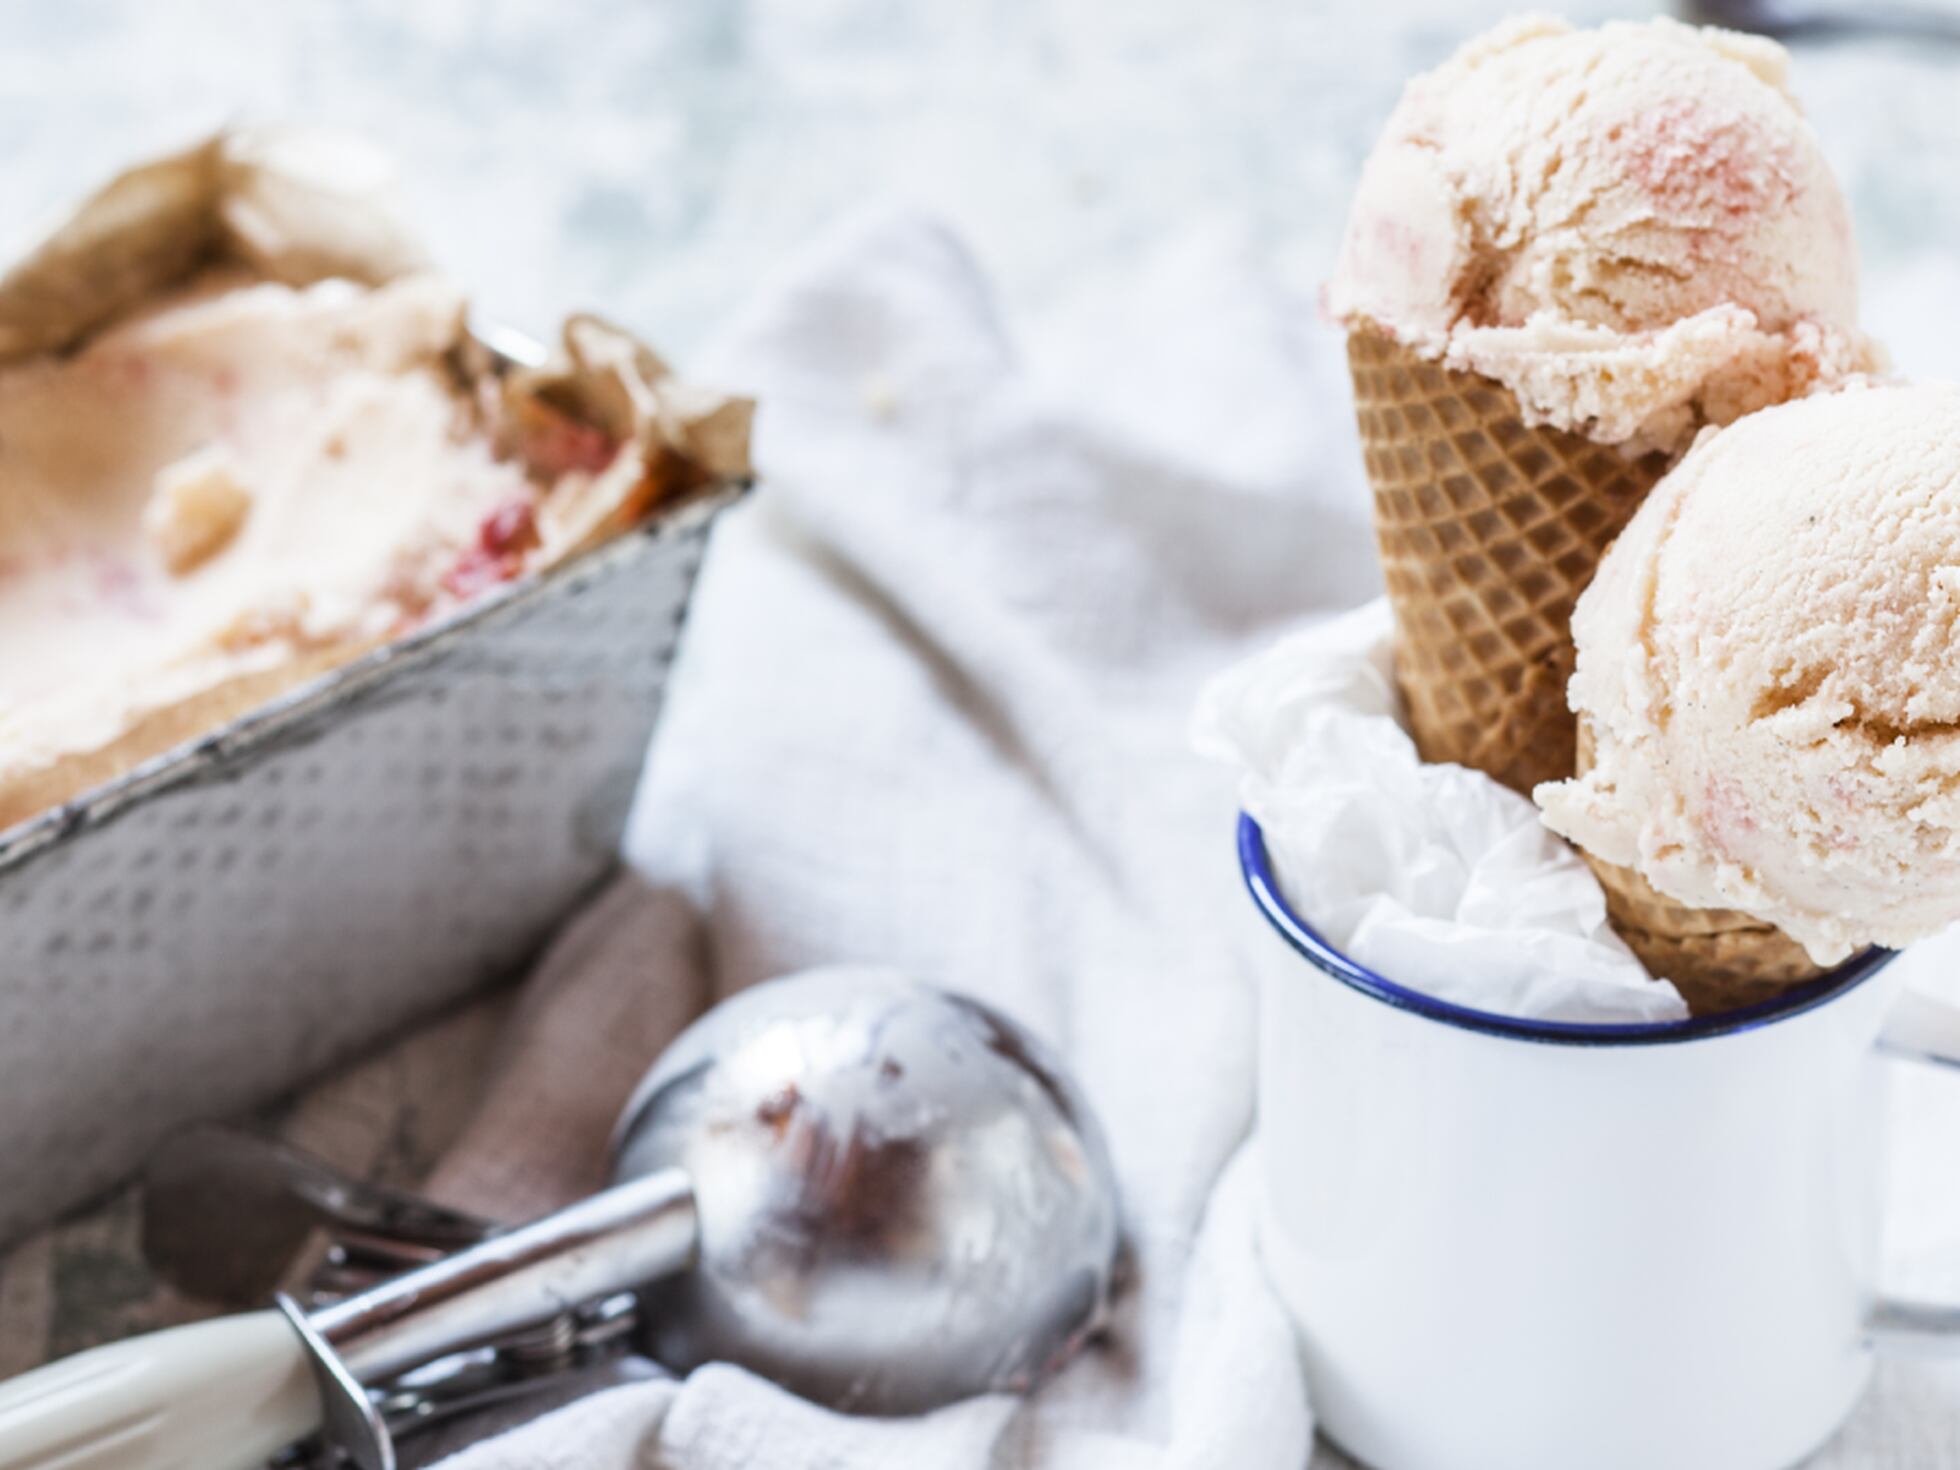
{"type": "Point", "coordinates": [222, 1395]}
{"type": "Point", "coordinates": [226, 1395]}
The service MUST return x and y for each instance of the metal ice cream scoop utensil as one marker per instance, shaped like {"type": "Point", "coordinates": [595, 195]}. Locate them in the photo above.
{"type": "Point", "coordinates": [881, 1195]}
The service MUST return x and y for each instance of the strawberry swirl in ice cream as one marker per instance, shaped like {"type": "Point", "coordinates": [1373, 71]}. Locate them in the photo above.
{"type": "Point", "coordinates": [243, 475]}
{"type": "Point", "coordinates": [1632, 228]}
{"type": "Point", "coordinates": [1769, 664]}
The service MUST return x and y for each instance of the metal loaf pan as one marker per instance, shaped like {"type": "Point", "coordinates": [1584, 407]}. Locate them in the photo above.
{"type": "Point", "coordinates": [199, 935]}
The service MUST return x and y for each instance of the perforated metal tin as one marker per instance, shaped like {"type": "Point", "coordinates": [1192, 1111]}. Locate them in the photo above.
{"type": "Point", "coordinates": [199, 935]}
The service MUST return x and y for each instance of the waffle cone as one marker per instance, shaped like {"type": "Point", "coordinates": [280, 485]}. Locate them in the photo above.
{"type": "Point", "coordinates": [1489, 530]}
{"type": "Point", "coordinates": [1718, 959]}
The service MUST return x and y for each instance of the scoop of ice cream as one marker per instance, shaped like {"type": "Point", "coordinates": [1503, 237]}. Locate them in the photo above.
{"type": "Point", "coordinates": [1769, 663]}
{"type": "Point", "coordinates": [1633, 228]}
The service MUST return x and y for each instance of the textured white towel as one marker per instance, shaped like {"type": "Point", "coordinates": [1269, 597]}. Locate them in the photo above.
{"type": "Point", "coordinates": [931, 712]}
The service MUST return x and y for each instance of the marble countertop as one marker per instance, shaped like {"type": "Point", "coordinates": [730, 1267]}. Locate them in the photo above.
{"type": "Point", "coordinates": [657, 160]}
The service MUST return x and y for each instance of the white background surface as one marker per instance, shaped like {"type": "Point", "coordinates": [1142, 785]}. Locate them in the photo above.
{"type": "Point", "coordinates": [654, 159]}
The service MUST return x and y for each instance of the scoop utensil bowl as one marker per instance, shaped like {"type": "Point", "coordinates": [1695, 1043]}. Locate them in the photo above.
{"type": "Point", "coordinates": [884, 1196]}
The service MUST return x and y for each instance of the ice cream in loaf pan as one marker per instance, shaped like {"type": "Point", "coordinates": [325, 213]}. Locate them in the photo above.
{"type": "Point", "coordinates": [245, 436]}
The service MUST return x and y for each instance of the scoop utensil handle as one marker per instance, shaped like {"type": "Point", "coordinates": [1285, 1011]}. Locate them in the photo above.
{"type": "Point", "coordinates": [226, 1394]}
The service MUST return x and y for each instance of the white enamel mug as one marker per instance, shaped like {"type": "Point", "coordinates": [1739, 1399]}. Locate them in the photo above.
{"type": "Point", "coordinates": [1512, 1245]}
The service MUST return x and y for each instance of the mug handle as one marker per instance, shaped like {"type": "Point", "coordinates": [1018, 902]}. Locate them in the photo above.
{"type": "Point", "coordinates": [1920, 1029]}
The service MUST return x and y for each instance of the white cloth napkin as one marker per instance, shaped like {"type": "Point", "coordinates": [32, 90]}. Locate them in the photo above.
{"type": "Point", "coordinates": [931, 712]}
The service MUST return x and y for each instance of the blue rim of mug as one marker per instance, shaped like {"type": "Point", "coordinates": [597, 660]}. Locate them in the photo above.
{"type": "Point", "coordinates": [1256, 866]}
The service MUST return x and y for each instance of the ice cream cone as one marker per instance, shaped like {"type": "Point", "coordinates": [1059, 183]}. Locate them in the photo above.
{"type": "Point", "coordinates": [1489, 530]}
{"type": "Point", "coordinates": [1718, 959]}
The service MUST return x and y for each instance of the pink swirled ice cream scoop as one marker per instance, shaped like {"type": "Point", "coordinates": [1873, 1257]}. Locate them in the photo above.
{"type": "Point", "coordinates": [1633, 228]}
{"type": "Point", "coordinates": [1769, 664]}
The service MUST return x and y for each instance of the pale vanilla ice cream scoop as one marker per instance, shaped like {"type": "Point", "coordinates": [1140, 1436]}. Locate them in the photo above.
{"type": "Point", "coordinates": [1769, 661]}
{"type": "Point", "coordinates": [1632, 228]}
